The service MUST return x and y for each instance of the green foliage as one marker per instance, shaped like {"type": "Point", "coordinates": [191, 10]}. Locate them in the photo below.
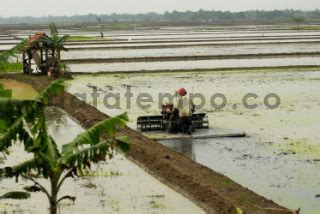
{"type": "Point", "coordinates": [87, 147]}
{"type": "Point", "coordinates": [16, 195]}
{"type": "Point", "coordinates": [7, 54]}
{"type": "Point", "coordinates": [122, 21]}
{"type": "Point", "coordinates": [24, 167]}
{"type": "Point", "coordinates": [53, 30]}
{"type": "Point", "coordinates": [54, 39]}
{"type": "Point", "coordinates": [32, 188]}
{"type": "Point", "coordinates": [81, 38]}
{"type": "Point", "coordinates": [57, 87]}
{"type": "Point", "coordinates": [24, 120]}
{"type": "Point", "coordinates": [238, 211]}
{"type": "Point", "coordinates": [312, 27]}
{"type": "Point", "coordinates": [10, 67]}
{"type": "Point", "coordinates": [92, 135]}
{"type": "Point", "coordinates": [8, 58]}
{"type": "Point", "coordinates": [14, 115]}
{"type": "Point", "coordinates": [64, 68]}
{"type": "Point", "coordinates": [57, 43]}
{"type": "Point", "coordinates": [299, 20]}
{"type": "Point", "coordinates": [7, 93]}
{"type": "Point", "coordinates": [118, 26]}
{"type": "Point", "coordinates": [17, 114]}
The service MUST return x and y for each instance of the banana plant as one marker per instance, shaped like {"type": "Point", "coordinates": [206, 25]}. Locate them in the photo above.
{"type": "Point", "coordinates": [25, 121]}
{"type": "Point", "coordinates": [5, 92]}
{"type": "Point", "coordinates": [58, 43]}
{"type": "Point", "coordinates": [7, 57]}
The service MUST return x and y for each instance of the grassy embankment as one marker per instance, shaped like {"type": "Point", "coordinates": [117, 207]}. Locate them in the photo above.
{"type": "Point", "coordinates": [118, 26]}
{"type": "Point", "coordinates": [87, 38]}
{"type": "Point", "coordinates": [12, 67]}
{"type": "Point", "coordinates": [115, 26]}
{"type": "Point", "coordinates": [306, 28]}
{"type": "Point", "coordinates": [82, 38]}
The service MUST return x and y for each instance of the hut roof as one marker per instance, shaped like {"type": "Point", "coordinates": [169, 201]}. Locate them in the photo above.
{"type": "Point", "coordinates": [32, 42]}
{"type": "Point", "coordinates": [36, 37]}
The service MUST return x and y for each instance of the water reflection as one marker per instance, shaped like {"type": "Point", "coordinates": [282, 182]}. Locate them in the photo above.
{"type": "Point", "coordinates": [61, 127]}
{"type": "Point", "coordinates": [194, 51]}
{"type": "Point", "coordinates": [184, 147]}
{"type": "Point", "coordinates": [115, 186]}
{"type": "Point", "coordinates": [259, 166]}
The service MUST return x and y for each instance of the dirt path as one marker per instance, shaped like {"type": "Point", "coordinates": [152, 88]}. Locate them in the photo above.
{"type": "Point", "coordinates": [210, 190]}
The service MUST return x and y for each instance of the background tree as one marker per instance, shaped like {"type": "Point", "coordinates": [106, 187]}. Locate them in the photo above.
{"type": "Point", "coordinates": [24, 121]}
{"type": "Point", "coordinates": [298, 21]}
{"type": "Point", "coordinates": [249, 16]}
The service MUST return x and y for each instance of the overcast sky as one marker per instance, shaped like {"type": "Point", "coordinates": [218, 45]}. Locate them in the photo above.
{"type": "Point", "coordinates": [73, 7]}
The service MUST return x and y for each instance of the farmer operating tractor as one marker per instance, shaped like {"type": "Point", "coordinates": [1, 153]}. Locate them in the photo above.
{"type": "Point", "coordinates": [180, 117]}
{"type": "Point", "coordinates": [176, 117]}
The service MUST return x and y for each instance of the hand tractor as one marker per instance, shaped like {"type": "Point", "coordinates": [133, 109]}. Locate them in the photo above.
{"type": "Point", "coordinates": [161, 122]}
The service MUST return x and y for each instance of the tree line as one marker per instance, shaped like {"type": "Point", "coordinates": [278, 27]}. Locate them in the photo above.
{"type": "Point", "coordinates": [201, 16]}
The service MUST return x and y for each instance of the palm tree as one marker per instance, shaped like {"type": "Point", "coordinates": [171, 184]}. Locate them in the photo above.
{"type": "Point", "coordinates": [25, 121]}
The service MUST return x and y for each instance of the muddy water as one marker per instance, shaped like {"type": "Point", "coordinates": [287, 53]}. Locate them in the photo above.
{"type": "Point", "coordinates": [280, 158]}
{"type": "Point", "coordinates": [193, 51]}
{"type": "Point", "coordinates": [287, 179]}
{"type": "Point", "coordinates": [194, 64]}
{"type": "Point", "coordinates": [117, 186]}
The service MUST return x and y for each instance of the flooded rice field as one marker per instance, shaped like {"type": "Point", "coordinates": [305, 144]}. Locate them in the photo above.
{"type": "Point", "coordinates": [116, 186]}
{"type": "Point", "coordinates": [6, 38]}
{"type": "Point", "coordinates": [5, 47]}
{"type": "Point", "coordinates": [10, 41]}
{"type": "Point", "coordinates": [190, 35]}
{"type": "Point", "coordinates": [185, 31]}
{"type": "Point", "coordinates": [189, 43]}
{"type": "Point", "coordinates": [223, 35]}
{"type": "Point", "coordinates": [128, 42]}
{"type": "Point", "coordinates": [193, 64]}
{"type": "Point", "coordinates": [192, 39]}
{"type": "Point", "coordinates": [278, 159]}
{"type": "Point", "coordinates": [194, 51]}
{"type": "Point", "coordinates": [156, 45]}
